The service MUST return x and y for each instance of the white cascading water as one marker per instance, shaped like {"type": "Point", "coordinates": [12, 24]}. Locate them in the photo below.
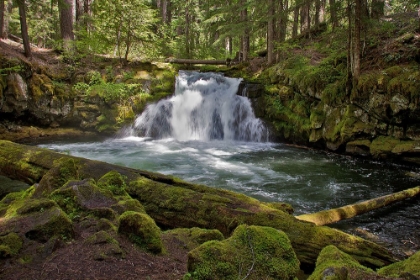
{"type": "Point", "coordinates": [205, 107]}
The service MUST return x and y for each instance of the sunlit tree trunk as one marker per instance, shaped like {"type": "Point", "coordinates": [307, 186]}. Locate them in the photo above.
{"type": "Point", "coordinates": [66, 24]}
{"type": "Point", "coordinates": [24, 28]}
{"type": "Point", "coordinates": [305, 19]}
{"type": "Point", "coordinates": [6, 10]}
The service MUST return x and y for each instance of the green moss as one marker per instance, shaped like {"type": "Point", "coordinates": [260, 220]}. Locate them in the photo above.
{"type": "Point", "coordinates": [141, 230]}
{"type": "Point", "coordinates": [383, 145]}
{"type": "Point", "coordinates": [403, 268]}
{"type": "Point", "coordinates": [10, 245]}
{"type": "Point", "coordinates": [193, 237]}
{"type": "Point", "coordinates": [101, 237]}
{"type": "Point", "coordinates": [56, 224]}
{"type": "Point", "coordinates": [254, 252]}
{"type": "Point", "coordinates": [333, 264]}
{"type": "Point", "coordinates": [63, 170]}
{"type": "Point", "coordinates": [285, 207]}
{"type": "Point", "coordinates": [35, 205]}
{"type": "Point", "coordinates": [114, 182]}
{"type": "Point", "coordinates": [129, 204]}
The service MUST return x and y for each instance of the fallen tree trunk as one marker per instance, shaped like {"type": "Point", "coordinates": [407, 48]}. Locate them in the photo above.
{"type": "Point", "coordinates": [198, 61]}
{"type": "Point", "coordinates": [330, 216]}
{"type": "Point", "coordinates": [173, 203]}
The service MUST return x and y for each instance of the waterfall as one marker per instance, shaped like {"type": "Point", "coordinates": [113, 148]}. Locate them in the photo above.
{"type": "Point", "coordinates": [205, 107]}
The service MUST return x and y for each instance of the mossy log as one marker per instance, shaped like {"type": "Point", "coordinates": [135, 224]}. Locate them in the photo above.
{"type": "Point", "coordinates": [173, 203]}
{"type": "Point", "coordinates": [330, 216]}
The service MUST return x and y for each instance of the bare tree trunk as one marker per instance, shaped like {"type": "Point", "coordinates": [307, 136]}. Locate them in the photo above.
{"type": "Point", "coordinates": [322, 11]}
{"type": "Point", "coordinates": [333, 12]}
{"type": "Point", "coordinates": [245, 36]}
{"type": "Point", "coordinates": [356, 39]}
{"type": "Point", "coordinates": [305, 19]}
{"type": "Point", "coordinates": [270, 32]}
{"type": "Point", "coordinates": [317, 12]}
{"type": "Point", "coordinates": [283, 10]}
{"type": "Point", "coordinates": [6, 10]}
{"type": "Point", "coordinates": [330, 216]}
{"type": "Point", "coordinates": [295, 21]}
{"type": "Point", "coordinates": [349, 81]}
{"type": "Point", "coordinates": [2, 19]}
{"type": "Point", "coordinates": [24, 28]}
{"type": "Point", "coordinates": [187, 32]}
{"type": "Point", "coordinates": [378, 9]}
{"type": "Point", "coordinates": [66, 24]}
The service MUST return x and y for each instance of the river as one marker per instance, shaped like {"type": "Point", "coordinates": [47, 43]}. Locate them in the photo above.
{"type": "Point", "coordinates": [207, 134]}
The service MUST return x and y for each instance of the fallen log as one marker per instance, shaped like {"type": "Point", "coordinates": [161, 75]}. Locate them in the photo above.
{"type": "Point", "coordinates": [330, 216]}
{"type": "Point", "coordinates": [198, 61]}
{"type": "Point", "coordinates": [173, 203]}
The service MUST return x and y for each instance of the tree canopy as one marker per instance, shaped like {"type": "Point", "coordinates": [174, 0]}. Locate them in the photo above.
{"type": "Point", "coordinates": [201, 29]}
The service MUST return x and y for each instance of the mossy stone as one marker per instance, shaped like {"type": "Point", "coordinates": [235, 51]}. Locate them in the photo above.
{"type": "Point", "coordinates": [63, 170]}
{"type": "Point", "coordinates": [114, 182]}
{"type": "Point", "coordinates": [10, 245]}
{"type": "Point", "coordinates": [193, 237]}
{"type": "Point", "coordinates": [403, 268]}
{"type": "Point", "coordinates": [141, 230]}
{"type": "Point", "coordinates": [35, 205]}
{"type": "Point", "coordinates": [253, 252]}
{"type": "Point", "coordinates": [334, 264]}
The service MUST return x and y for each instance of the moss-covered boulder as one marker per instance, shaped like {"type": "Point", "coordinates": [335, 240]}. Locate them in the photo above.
{"type": "Point", "coordinates": [79, 198]}
{"type": "Point", "coordinates": [114, 182]}
{"type": "Point", "coordinates": [141, 230]}
{"type": "Point", "coordinates": [10, 245]}
{"type": "Point", "coordinates": [191, 238]}
{"type": "Point", "coordinates": [252, 252]}
{"type": "Point", "coordinates": [104, 246]}
{"type": "Point", "coordinates": [403, 269]}
{"type": "Point", "coordinates": [63, 170]}
{"type": "Point", "coordinates": [334, 264]}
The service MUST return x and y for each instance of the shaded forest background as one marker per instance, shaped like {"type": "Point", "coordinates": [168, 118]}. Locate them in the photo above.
{"type": "Point", "coordinates": [205, 29]}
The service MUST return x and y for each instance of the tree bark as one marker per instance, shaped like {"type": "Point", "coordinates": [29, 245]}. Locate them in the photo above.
{"type": "Point", "coordinates": [173, 203]}
{"type": "Point", "coordinates": [24, 28]}
{"type": "Point", "coordinates": [2, 19]}
{"type": "Point", "coordinates": [356, 40]}
{"type": "Point", "coordinates": [330, 216]}
{"type": "Point", "coordinates": [66, 24]}
{"type": "Point", "coordinates": [295, 21]}
{"type": "Point", "coordinates": [270, 32]}
{"type": "Point", "coordinates": [245, 35]}
{"type": "Point", "coordinates": [333, 12]}
{"type": "Point", "coordinates": [378, 9]}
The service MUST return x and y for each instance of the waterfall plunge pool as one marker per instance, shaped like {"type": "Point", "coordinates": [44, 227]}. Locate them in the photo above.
{"type": "Point", "coordinates": [207, 134]}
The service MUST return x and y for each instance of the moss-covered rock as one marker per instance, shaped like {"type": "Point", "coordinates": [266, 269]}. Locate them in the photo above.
{"type": "Point", "coordinates": [80, 198]}
{"type": "Point", "coordinates": [334, 264]}
{"type": "Point", "coordinates": [403, 269]}
{"type": "Point", "coordinates": [141, 230]}
{"type": "Point", "coordinates": [63, 170]}
{"type": "Point", "coordinates": [114, 182]}
{"type": "Point", "coordinates": [193, 237]}
{"type": "Point", "coordinates": [252, 252]}
{"type": "Point", "coordinates": [10, 245]}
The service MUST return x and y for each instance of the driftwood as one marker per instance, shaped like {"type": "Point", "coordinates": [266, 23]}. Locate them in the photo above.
{"type": "Point", "coordinates": [173, 203]}
{"type": "Point", "coordinates": [330, 216]}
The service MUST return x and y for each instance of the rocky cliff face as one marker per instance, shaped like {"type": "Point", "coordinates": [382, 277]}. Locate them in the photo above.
{"type": "Point", "coordinates": [100, 100]}
{"type": "Point", "coordinates": [379, 119]}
